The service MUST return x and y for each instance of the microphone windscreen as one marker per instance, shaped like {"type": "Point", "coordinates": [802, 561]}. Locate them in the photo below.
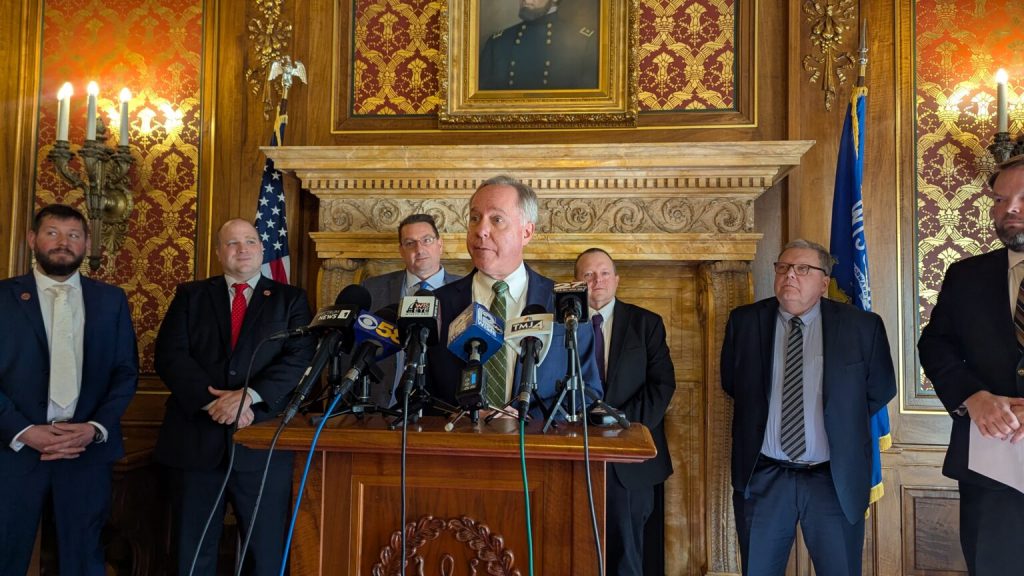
{"type": "Point", "coordinates": [355, 297]}
{"type": "Point", "coordinates": [416, 312]}
{"type": "Point", "coordinates": [475, 323]}
{"type": "Point", "coordinates": [571, 300]}
{"type": "Point", "coordinates": [537, 326]}
{"type": "Point", "coordinates": [532, 309]}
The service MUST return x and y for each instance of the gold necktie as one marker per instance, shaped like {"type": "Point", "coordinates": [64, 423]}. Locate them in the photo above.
{"type": "Point", "coordinates": [63, 367]}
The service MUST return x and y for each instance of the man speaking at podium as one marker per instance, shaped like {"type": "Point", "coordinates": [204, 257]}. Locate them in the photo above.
{"type": "Point", "coordinates": [502, 218]}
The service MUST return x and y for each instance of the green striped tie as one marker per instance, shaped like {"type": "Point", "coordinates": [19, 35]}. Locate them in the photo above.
{"type": "Point", "coordinates": [496, 368]}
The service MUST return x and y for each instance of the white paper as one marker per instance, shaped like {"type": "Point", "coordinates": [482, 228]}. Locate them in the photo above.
{"type": "Point", "coordinates": [1000, 460]}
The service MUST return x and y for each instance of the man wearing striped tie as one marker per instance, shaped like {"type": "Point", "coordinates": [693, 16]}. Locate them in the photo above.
{"type": "Point", "coordinates": [806, 374]}
{"type": "Point", "coordinates": [502, 217]}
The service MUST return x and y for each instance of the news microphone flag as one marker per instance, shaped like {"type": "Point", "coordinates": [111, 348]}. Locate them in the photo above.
{"type": "Point", "coordinates": [271, 223]}
{"type": "Point", "coordinates": [850, 280]}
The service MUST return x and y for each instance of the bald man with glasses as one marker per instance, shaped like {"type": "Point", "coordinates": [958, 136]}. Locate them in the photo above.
{"type": "Point", "coordinates": [806, 373]}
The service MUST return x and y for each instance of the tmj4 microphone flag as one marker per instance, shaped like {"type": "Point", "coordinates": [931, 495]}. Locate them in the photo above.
{"type": "Point", "coordinates": [848, 245]}
{"type": "Point", "coordinates": [271, 223]}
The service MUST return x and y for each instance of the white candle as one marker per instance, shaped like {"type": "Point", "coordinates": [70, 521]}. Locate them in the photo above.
{"type": "Point", "coordinates": [126, 95]}
{"type": "Point", "coordinates": [90, 118]}
{"type": "Point", "coordinates": [63, 111]}
{"type": "Point", "coordinates": [1001, 79]}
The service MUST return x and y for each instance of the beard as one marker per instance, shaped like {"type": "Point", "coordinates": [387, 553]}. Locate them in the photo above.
{"type": "Point", "coordinates": [54, 268]}
{"type": "Point", "coordinates": [530, 13]}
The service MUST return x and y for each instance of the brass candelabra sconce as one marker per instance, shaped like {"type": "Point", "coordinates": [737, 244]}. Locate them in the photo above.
{"type": "Point", "coordinates": [109, 200]}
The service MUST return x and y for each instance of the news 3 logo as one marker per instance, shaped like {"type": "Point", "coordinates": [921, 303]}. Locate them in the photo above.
{"type": "Point", "coordinates": [333, 315]}
{"type": "Point", "coordinates": [382, 328]}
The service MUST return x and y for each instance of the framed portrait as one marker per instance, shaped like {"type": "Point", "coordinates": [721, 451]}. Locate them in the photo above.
{"type": "Point", "coordinates": [538, 63]}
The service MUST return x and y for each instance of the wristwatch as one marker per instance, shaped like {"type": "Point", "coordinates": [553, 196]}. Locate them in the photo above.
{"type": "Point", "coordinates": [98, 437]}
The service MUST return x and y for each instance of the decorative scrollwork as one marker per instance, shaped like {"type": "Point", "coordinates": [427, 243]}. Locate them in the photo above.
{"type": "Point", "coordinates": [488, 548]}
{"type": "Point", "coordinates": [829, 20]}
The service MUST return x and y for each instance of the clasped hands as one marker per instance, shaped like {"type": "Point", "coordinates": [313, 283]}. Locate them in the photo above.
{"type": "Point", "coordinates": [225, 407]}
{"type": "Point", "coordinates": [1000, 417]}
{"type": "Point", "coordinates": [59, 440]}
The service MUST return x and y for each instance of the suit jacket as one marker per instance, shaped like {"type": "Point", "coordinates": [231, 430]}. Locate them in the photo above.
{"type": "Point", "coordinates": [857, 380]}
{"type": "Point", "coordinates": [386, 289]}
{"type": "Point", "coordinates": [445, 369]}
{"type": "Point", "coordinates": [193, 351]}
{"type": "Point", "coordinates": [110, 369]}
{"type": "Point", "coordinates": [970, 345]}
{"type": "Point", "coordinates": [638, 339]}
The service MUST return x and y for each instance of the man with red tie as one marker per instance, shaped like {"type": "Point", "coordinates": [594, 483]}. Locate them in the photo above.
{"type": "Point", "coordinates": [203, 352]}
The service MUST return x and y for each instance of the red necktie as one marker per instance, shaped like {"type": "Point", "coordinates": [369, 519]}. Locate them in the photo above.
{"type": "Point", "coordinates": [237, 311]}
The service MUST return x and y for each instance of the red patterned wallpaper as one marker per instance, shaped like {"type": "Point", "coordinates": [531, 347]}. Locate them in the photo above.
{"type": "Point", "coordinates": [153, 47]}
{"type": "Point", "coordinates": [686, 51]}
{"type": "Point", "coordinates": [959, 46]}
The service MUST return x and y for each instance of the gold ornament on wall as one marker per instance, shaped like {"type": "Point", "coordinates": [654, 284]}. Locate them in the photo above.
{"type": "Point", "coordinates": [269, 36]}
{"type": "Point", "coordinates": [829, 21]}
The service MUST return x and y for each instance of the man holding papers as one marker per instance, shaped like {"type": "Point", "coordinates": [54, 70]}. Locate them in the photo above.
{"type": "Point", "coordinates": [971, 350]}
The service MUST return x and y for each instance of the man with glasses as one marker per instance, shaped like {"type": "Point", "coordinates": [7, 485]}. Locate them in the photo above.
{"type": "Point", "coordinates": [806, 374]}
{"type": "Point", "coordinates": [420, 246]}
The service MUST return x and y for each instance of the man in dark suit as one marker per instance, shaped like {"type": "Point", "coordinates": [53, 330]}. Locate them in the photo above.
{"type": "Point", "coordinates": [806, 374]}
{"type": "Point", "coordinates": [68, 370]}
{"type": "Point", "coordinates": [203, 353]}
{"type": "Point", "coordinates": [552, 48]}
{"type": "Point", "coordinates": [502, 216]}
{"type": "Point", "coordinates": [420, 246]}
{"type": "Point", "coordinates": [971, 351]}
{"type": "Point", "coordinates": [638, 379]}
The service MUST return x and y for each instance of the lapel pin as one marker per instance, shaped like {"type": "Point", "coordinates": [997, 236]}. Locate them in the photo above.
{"type": "Point", "coordinates": [26, 296]}
{"type": "Point", "coordinates": [266, 292]}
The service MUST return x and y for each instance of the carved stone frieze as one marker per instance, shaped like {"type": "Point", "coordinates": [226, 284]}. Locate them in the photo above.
{"type": "Point", "coordinates": [681, 214]}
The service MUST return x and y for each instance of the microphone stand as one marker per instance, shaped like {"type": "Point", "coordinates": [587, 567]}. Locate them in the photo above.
{"type": "Point", "coordinates": [520, 400]}
{"type": "Point", "coordinates": [414, 378]}
{"type": "Point", "coordinates": [573, 382]}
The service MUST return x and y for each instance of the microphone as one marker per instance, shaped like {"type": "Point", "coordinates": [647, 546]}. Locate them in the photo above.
{"type": "Point", "coordinates": [418, 318]}
{"type": "Point", "coordinates": [341, 316]}
{"type": "Point", "coordinates": [336, 323]}
{"type": "Point", "coordinates": [474, 336]}
{"type": "Point", "coordinates": [530, 336]}
{"type": "Point", "coordinates": [571, 303]}
{"type": "Point", "coordinates": [376, 338]}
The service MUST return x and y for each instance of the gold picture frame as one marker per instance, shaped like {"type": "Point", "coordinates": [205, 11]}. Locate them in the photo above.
{"type": "Point", "coordinates": [609, 101]}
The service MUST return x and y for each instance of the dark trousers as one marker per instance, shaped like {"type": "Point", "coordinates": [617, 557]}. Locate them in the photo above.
{"type": "Point", "coordinates": [991, 524]}
{"type": "Point", "coordinates": [81, 505]}
{"type": "Point", "coordinates": [627, 512]}
{"type": "Point", "coordinates": [777, 499]}
{"type": "Point", "coordinates": [193, 493]}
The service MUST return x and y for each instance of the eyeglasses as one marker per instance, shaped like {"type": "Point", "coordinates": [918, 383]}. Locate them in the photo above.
{"type": "Point", "coordinates": [782, 268]}
{"type": "Point", "coordinates": [410, 244]}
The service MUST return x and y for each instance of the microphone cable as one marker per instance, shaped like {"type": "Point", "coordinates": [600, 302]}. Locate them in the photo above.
{"type": "Point", "coordinates": [526, 493]}
{"type": "Point", "coordinates": [405, 445]}
{"type": "Point", "coordinates": [231, 461]}
{"type": "Point", "coordinates": [586, 462]}
{"type": "Point", "coordinates": [302, 485]}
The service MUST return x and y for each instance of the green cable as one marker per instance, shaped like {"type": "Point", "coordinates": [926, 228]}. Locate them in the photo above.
{"type": "Point", "coordinates": [526, 491]}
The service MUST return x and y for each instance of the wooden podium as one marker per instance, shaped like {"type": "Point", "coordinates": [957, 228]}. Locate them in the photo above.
{"type": "Point", "coordinates": [465, 508]}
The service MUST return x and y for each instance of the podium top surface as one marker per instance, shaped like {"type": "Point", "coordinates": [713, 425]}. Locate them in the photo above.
{"type": "Point", "coordinates": [499, 439]}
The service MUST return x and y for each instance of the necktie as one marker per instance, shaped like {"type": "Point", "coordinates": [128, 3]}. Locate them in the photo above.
{"type": "Point", "coordinates": [424, 285]}
{"type": "Point", "coordinates": [598, 321]}
{"type": "Point", "coordinates": [238, 305]}
{"type": "Point", "coordinates": [1018, 316]}
{"type": "Point", "coordinates": [63, 368]}
{"type": "Point", "coordinates": [496, 369]}
{"type": "Point", "coordinates": [791, 432]}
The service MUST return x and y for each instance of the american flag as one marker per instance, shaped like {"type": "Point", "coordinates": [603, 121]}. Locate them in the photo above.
{"type": "Point", "coordinates": [271, 222]}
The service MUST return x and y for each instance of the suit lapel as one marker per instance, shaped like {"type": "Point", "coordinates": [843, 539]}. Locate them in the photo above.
{"type": "Point", "coordinates": [217, 291]}
{"type": "Point", "coordinates": [767, 316]}
{"type": "Point", "coordinates": [26, 293]}
{"type": "Point", "coordinates": [994, 300]}
{"type": "Point", "coordinates": [831, 329]}
{"type": "Point", "coordinates": [264, 290]}
{"type": "Point", "coordinates": [91, 305]}
{"type": "Point", "coordinates": [623, 319]}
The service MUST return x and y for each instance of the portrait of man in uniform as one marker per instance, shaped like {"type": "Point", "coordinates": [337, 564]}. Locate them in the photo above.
{"type": "Point", "coordinates": [553, 44]}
